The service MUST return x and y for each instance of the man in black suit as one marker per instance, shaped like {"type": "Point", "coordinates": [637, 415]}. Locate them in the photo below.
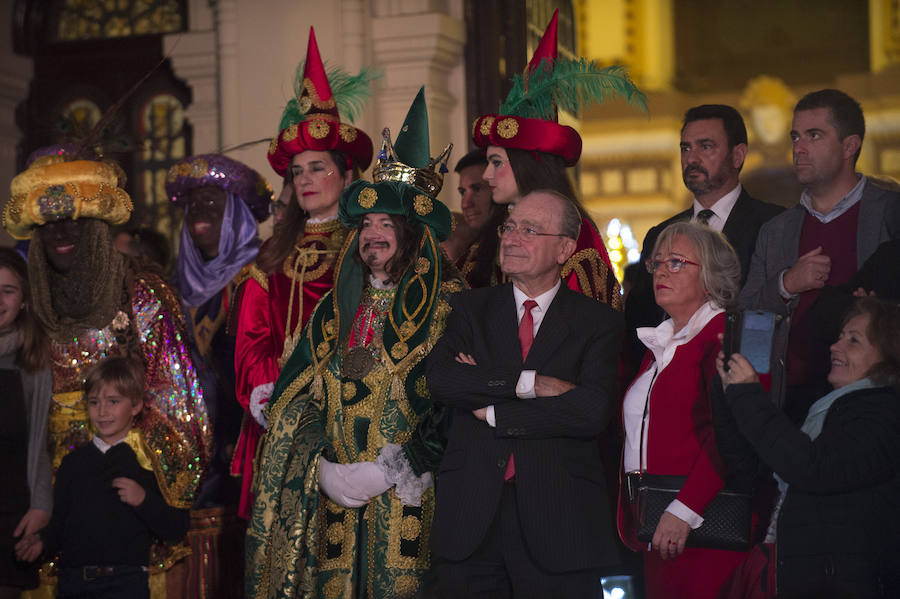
{"type": "Point", "coordinates": [529, 369]}
{"type": "Point", "coordinates": [713, 148]}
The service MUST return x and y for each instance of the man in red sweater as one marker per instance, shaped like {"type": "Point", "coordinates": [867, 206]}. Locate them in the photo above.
{"type": "Point", "coordinates": [840, 220]}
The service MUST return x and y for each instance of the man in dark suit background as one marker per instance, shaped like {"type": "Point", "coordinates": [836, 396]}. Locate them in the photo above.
{"type": "Point", "coordinates": [529, 368]}
{"type": "Point", "coordinates": [713, 148]}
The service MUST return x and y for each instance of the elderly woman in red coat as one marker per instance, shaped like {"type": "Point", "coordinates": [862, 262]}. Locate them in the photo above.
{"type": "Point", "coordinates": [667, 414]}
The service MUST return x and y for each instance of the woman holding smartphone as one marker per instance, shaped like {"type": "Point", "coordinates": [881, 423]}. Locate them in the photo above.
{"type": "Point", "coordinates": [836, 525]}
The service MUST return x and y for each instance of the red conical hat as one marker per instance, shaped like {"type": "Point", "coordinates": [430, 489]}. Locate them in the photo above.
{"type": "Point", "coordinates": [548, 47]}
{"type": "Point", "coordinates": [523, 133]}
{"type": "Point", "coordinates": [312, 121]}
{"type": "Point", "coordinates": [316, 99]}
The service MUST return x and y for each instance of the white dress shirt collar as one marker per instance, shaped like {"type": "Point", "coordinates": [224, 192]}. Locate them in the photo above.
{"type": "Point", "coordinates": [543, 302]}
{"type": "Point", "coordinates": [103, 446]}
{"type": "Point", "coordinates": [721, 209]}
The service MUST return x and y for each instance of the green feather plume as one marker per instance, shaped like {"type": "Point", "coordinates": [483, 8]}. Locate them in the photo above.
{"type": "Point", "coordinates": [569, 85]}
{"type": "Point", "coordinates": [350, 92]}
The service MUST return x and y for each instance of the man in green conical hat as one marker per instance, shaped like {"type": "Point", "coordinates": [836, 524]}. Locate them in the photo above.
{"type": "Point", "coordinates": [345, 489]}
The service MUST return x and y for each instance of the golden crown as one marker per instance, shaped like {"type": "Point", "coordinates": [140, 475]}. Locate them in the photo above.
{"type": "Point", "coordinates": [388, 167]}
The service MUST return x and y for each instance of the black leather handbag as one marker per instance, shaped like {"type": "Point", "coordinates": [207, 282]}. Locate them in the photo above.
{"type": "Point", "coordinates": [726, 520]}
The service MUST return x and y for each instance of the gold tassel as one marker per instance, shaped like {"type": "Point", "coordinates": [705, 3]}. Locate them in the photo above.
{"type": "Point", "coordinates": [318, 387]}
{"type": "Point", "coordinates": [398, 392]}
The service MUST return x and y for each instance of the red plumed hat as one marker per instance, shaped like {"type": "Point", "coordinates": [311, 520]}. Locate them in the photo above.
{"type": "Point", "coordinates": [528, 116]}
{"type": "Point", "coordinates": [311, 121]}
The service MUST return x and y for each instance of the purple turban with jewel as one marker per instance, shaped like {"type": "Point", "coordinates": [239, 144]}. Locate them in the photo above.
{"type": "Point", "coordinates": [248, 198]}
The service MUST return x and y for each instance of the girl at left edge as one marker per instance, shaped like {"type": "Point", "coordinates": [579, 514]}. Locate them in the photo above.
{"type": "Point", "coordinates": [25, 376]}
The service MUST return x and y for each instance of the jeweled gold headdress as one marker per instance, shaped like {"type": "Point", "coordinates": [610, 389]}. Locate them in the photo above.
{"type": "Point", "coordinates": [51, 189]}
{"type": "Point", "coordinates": [388, 167]}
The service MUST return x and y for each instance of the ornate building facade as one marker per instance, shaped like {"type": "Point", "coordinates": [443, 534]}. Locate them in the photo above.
{"type": "Point", "coordinates": [227, 68]}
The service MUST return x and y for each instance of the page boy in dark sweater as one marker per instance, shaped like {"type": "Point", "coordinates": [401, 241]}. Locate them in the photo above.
{"type": "Point", "coordinates": [107, 504]}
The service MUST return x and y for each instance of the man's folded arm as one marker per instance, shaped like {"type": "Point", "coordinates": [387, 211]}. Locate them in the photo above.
{"type": "Point", "coordinates": [460, 385]}
{"type": "Point", "coordinates": [581, 412]}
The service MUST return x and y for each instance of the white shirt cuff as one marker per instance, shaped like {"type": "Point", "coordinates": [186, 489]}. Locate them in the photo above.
{"type": "Point", "coordinates": [489, 416]}
{"type": "Point", "coordinates": [679, 510]}
{"type": "Point", "coordinates": [525, 386]}
{"type": "Point", "coordinates": [785, 294]}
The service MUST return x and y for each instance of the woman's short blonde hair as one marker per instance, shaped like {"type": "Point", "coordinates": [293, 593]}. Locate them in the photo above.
{"type": "Point", "coordinates": [720, 268]}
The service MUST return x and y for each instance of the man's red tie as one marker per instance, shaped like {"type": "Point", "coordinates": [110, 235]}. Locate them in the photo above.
{"type": "Point", "coordinates": [526, 338]}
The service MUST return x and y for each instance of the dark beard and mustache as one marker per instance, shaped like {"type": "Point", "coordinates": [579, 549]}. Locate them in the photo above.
{"type": "Point", "coordinates": [700, 187]}
{"type": "Point", "coordinates": [369, 257]}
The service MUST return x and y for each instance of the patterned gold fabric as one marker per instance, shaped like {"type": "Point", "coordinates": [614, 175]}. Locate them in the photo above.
{"type": "Point", "coordinates": [301, 544]}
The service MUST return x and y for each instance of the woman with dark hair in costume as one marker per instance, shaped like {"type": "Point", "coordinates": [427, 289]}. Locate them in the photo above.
{"type": "Point", "coordinates": [527, 149]}
{"type": "Point", "coordinates": [295, 268]}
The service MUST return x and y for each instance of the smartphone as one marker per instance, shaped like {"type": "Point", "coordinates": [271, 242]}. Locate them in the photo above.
{"type": "Point", "coordinates": [750, 333]}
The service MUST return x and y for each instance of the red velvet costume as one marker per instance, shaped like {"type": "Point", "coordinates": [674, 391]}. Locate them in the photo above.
{"type": "Point", "coordinates": [274, 307]}
{"type": "Point", "coordinates": [589, 271]}
{"type": "Point", "coordinates": [265, 302]}
{"type": "Point", "coordinates": [679, 435]}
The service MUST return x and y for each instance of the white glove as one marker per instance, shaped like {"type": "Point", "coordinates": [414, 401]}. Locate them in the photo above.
{"type": "Point", "coordinates": [259, 397]}
{"type": "Point", "coordinates": [368, 477]}
{"type": "Point", "coordinates": [349, 484]}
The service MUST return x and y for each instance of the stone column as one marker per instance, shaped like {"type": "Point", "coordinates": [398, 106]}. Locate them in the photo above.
{"type": "Point", "coordinates": [193, 57]}
{"type": "Point", "coordinates": [422, 45]}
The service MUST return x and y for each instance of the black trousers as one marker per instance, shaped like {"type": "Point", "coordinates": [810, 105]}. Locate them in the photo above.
{"type": "Point", "coordinates": [132, 583]}
{"type": "Point", "coordinates": [502, 567]}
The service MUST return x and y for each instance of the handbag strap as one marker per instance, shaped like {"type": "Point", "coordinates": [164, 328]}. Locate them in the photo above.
{"type": "Point", "coordinates": [644, 417]}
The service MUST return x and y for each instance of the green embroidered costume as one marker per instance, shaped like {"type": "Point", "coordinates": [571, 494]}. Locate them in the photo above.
{"type": "Point", "coordinates": [354, 391]}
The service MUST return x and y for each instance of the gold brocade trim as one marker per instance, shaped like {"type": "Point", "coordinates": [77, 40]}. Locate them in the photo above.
{"type": "Point", "coordinates": [405, 585]}
{"type": "Point", "coordinates": [507, 128]}
{"type": "Point", "coordinates": [422, 387]}
{"type": "Point", "coordinates": [314, 97]}
{"type": "Point", "coordinates": [347, 133]}
{"type": "Point", "coordinates": [135, 441]}
{"type": "Point", "coordinates": [367, 197]}
{"type": "Point", "coordinates": [422, 204]}
{"type": "Point", "coordinates": [486, 123]}
{"type": "Point", "coordinates": [157, 585]}
{"type": "Point", "coordinates": [345, 532]}
{"type": "Point", "coordinates": [428, 297]}
{"type": "Point", "coordinates": [177, 553]}
{"type": "Point", "coordinates": [317, 128]}
{"type": "Point", "coordinates": [400, 527]}
{"type": "Point", "coordinates": [306, 256]}
{"type": "Point", "coordinates": [296, 267]}
{"type": "Point", "coordinates": [335, 323]}
{"type": "Point", "coordinates": [183, 480]}
{"type": "Point", "coordinates": [204, 329]}
{"type": "Point", "coordinates": [68, 398]}
{"type": "Point", "coordinates": [438, 320]}
{"type": "Point", "coordinates": [327, 226]}
{"type": "Point", "coordinates": [290, 133]}
{"type": "Point", "coordinates": [593, 284]}
{"type": "Point", "coordinates": [245, 274]}
{"type": "Point", "coordinates": [302, 380]}
{"type": "Point", "coordinates": [399, 349]}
